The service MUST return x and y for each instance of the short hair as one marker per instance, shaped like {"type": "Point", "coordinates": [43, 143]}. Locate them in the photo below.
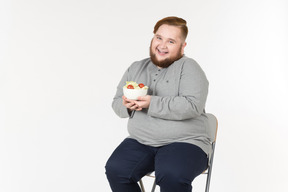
{"type": "Point", "coordinates": [174, 21]}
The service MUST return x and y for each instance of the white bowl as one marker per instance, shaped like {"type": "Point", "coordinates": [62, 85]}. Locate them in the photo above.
{"type": "Point", "coordinates": [134, 93]}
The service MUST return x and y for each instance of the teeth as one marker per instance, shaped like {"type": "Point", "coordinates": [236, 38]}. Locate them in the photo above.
{"type": "Point", "coordinates": [162, 51]}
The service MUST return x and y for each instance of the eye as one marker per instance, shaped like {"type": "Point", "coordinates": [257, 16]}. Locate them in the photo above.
{"type": "Point", "coordinates": [159, 38]}
{"type": "Point", "coordinates": [172, 42]}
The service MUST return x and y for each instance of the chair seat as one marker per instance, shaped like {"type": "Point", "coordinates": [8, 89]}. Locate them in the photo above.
{"type": "Point", "coordinates": [152, 174]}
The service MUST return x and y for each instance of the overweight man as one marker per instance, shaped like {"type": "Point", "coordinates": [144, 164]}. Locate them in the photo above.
{"type": "Point", "coordinates": [167, 127]}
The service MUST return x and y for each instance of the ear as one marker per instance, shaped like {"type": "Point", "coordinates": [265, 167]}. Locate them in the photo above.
{"type": "Point", "coordinates": [182, 48]}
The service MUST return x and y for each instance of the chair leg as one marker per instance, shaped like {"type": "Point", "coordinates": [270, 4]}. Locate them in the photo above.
{"type": "Point", "coordinates": [154, 186]}
{"type": "Point", "coordinates": [208, 181]}
{"type": "Point", "coordinates": [142, 186]}
{"type": "Point", "coordinates": [210, 169]}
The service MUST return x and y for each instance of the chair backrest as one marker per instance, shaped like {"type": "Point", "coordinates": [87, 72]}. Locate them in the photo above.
{"type": "Point", "coordinates": [213, 126]}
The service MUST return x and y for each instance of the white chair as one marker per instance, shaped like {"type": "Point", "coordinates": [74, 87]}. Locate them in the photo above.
{"type": "Point", "coordinates": [213, 127]}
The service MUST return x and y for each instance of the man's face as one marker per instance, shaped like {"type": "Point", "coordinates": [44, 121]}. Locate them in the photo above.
{"type": "Point", "coordinates": [167, 46]}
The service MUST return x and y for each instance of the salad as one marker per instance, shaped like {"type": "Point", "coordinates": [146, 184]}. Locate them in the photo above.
{"type": "Point", "coordinates": [134, 85]}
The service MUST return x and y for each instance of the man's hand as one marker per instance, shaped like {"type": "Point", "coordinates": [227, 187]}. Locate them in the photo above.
{"type": "Point", "coordinates": [143, 102]}
{"type": "Point", "coordinates": [130, 104]}
{"type": "Point", "coordinates": [139, 104]}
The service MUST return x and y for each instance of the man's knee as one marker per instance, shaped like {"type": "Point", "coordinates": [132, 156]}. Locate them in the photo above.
{"type": "Point", "coordinates": [116, 172]}
{"type": "Point", "coordinates": [172, 181]}
{"type": "Point", "coordinates": [113, 169]}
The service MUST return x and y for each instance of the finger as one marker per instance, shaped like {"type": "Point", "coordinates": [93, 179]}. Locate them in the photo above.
{"type": "Point", "coordinates": [130, 100]}
{"type": "Point", "coordinates": [124, 99]}
{"type": "Point", "coordinates": [138, 103]}
{"type": "Point", "coordinates": [143, 98]}
{"type": "Point", "coordinates": [134, 107]}
{"type": "Point", "coordinates": [140, 98]}
{"type": "Point", "coordinates": [138, 109]}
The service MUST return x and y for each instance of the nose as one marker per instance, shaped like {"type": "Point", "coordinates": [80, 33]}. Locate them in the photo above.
{"type": "Point", "coordinates": [163, 45]}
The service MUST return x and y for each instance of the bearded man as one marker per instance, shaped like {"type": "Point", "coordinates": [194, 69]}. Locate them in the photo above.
{"type": "Point", "coordinates": [167, 127]}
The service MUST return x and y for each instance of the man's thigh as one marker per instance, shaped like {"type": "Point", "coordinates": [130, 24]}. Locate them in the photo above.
{"type": "Point", "coordinates": [180, 160]}
{"type": "Point", "coordinates": [131, 160]}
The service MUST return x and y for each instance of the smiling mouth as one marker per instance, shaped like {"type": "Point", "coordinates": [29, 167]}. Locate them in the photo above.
{"type": "Point", "coordinates": [162, 52]}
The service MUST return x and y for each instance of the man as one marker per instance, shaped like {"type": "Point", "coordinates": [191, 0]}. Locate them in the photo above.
{"type": "Point", "coordinates": [167, 127]}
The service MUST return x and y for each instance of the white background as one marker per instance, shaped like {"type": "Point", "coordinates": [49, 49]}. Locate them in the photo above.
{"type": "Point", "coordinates": [60, 62]}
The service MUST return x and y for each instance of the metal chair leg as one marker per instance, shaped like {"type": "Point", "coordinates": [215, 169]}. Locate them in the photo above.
{"type": "Point", "coordinates": [141, 186]}
{"type": "Point", "coordinates": [154, 186]}
{"type": "Point", "coordinates": [210, 169]}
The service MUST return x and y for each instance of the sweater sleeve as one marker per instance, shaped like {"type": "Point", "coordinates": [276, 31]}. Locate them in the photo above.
{"type": "Point", "coordinates": [117, 103]}
{"type": "Point", "coordinates": [191, 98]}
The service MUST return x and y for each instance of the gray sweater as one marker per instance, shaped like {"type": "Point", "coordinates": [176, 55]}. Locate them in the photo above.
{"type": "Point", "coordinates": [176, 112]}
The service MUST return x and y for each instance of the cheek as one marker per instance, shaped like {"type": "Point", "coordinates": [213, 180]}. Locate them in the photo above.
{"type": "Point", "coordinates": [154, 45]}
{"type": "Point", "coordinates": [173, 51]}
{"type": "Point", "coordinates": [153, 42]}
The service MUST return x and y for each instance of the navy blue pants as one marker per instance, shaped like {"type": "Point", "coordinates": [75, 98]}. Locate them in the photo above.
{"type": "Point", "coordinates": [176, 165]}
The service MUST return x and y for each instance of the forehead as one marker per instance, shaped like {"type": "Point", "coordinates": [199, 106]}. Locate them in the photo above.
{"type": "Point", "coordinates": [169, 31]}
